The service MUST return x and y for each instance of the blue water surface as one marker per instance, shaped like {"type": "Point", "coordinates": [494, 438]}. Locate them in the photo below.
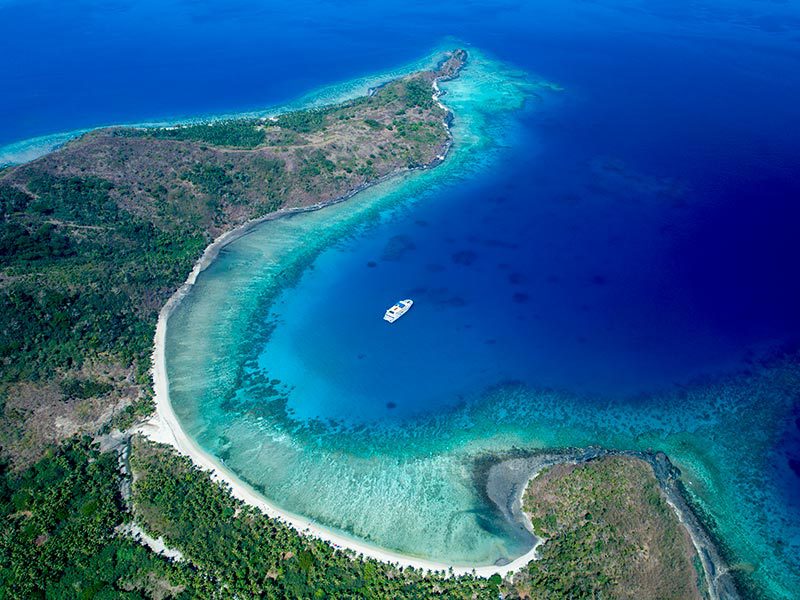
{"type": "Point", "coordinates": [561, 268]}
{"type": "Point", "coordinates": [637, 236]}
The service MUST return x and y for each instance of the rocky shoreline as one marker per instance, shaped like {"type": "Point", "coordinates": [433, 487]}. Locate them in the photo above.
{"type": "Point", "coordinates": [503, 481]}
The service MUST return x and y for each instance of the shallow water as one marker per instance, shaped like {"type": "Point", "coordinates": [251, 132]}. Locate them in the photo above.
{"type": "Point", "coordinates": [542, 318]}
{"type": "Point", "coordinates": [238, 410]}
{"type": "Point", "coordinates": [614, 263]}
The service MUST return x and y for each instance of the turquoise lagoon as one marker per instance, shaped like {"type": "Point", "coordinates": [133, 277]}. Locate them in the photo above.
{"type": "Point", "coordinates": [542, 319]}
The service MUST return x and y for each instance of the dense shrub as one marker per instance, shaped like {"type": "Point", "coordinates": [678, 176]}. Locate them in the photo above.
{"type": "Point", "coordinates": [240, 133]}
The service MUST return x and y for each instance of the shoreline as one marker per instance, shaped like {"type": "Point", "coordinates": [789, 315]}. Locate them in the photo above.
{"type": "Point", "coordinates": [21, 151]}
{"type": "Point", "coordinates": [505, 482]}
{"type": "Point", "coordinates": [507, 477]}
{"type": "Point", "coordinates": [503, 478]}
{"type": "Point", "coordinates": [163, 426]}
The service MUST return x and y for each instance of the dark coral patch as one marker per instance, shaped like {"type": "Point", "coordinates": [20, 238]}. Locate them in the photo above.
{"type": "Point", "coordinates": [443, 297]}
{"type": "Point", "coordinates": [464, 257]}
{"type": "Point", "coordinates": [500, 244]}
{"type": "Point", "coordinates": [455, 301]}
{"type": "Point", "coordinates": [568, 199]}
{"type": "Point", "coordinates": [397, 247]}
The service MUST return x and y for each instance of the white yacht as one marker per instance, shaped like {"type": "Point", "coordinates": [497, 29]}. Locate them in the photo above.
{"type": "Point", "coordinates": [397, 311]}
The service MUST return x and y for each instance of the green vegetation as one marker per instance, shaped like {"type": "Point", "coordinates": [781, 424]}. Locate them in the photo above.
{"type": "Point", "coordinates": [315, 164]}
{"type": "Point", "coordinates": [302, 121]}
{"type": "Point", "coordinates": [81, 281]}
{"type": "Point", "coordinates": [73, 387]}
{"type": "Point", "coordinates": [57, 538]}
{"type": "Point", "coordinates": [238, 133]}
{"type": "Point", "coordinates": [421, 133]}
{"type": "Point", "coordinates": [79, 267]}
{"type": "Point", "coordinates": [211, 179]}
{"type": "Point", "coordinates": [93, 239]}
{"type": "Point", "coordinates": [19, 243]}
{"type": "Point", "coordinates": [418, 92]}
{"type": "Point", "coordinates": [237, 550]}
{"type": "Point", "coordinates": [96, 236]}
{"type": "Point", "coordinates": [610, 534]}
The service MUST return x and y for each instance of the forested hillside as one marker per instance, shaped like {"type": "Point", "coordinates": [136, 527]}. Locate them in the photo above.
{"type": "Point", "coordinates": [97, 235]}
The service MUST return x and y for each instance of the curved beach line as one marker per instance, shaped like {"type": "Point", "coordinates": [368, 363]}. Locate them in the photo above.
{"type": "Point", "coordinates": [164, 427]}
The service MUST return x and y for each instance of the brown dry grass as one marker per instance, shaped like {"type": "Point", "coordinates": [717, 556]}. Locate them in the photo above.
{"type": "Point", "coordinates": [38, 415]}
{"type": "Point", "coordinates": [610, 533]}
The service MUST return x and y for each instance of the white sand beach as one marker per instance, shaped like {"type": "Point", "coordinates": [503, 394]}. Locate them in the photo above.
{"type": "Point", "coordinates": [165, 428]}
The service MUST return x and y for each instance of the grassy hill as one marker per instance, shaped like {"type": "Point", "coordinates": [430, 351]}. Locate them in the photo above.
{"type": "Point", "coordinates": [609, 534]}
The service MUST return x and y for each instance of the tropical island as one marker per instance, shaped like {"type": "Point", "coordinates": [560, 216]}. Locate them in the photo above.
{"type": "Point", "coordinates": [95, 238]}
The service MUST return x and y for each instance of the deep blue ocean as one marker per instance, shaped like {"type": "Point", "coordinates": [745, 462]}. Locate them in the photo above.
{"type": "Point", "coordinates": [638, 235]}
